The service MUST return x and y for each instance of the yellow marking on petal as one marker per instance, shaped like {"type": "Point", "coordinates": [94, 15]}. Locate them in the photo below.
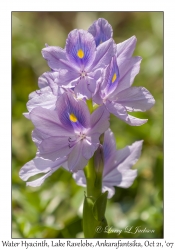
{"type": "Point", "coordinates": [114, 77]}
{"type": "Point", "coordinates": [80, 53]}
{"type": "Point", "coordinates": [73, 118]}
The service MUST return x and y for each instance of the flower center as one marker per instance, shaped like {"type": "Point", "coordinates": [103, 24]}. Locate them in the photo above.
{"type": "Point", "coordinates": [72, 141]}
{"type": "Point", "coordinates": [82, 136]}
{"type": "Point", "coordinates": [104, 100]}
{"type": "Point", "coordinates": [83, 74]}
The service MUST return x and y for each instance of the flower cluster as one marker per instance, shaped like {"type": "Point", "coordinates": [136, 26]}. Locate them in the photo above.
{"type": "Point", "coordinates": [92, 70]}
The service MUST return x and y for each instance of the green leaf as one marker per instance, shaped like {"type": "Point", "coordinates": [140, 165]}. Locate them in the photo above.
{"type": "Point", "coordinates": [89, 222]}
{"type": "Point", "coordinates": [100, 207]}
{"type": "Point", "coordinates": [100, 231]}
{"type": "Point", "coordinates": [92, 227]}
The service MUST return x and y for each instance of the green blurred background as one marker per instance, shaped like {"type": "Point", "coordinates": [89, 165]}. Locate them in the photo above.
{"type": "Point", "coordinates": [54, 210]}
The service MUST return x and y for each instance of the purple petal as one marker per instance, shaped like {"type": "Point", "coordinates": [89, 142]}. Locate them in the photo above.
{"type": "Point", "coordinates": [111, 191]}
{"type": "Point", "coordinates": [99, 120]}
{"type": "Point", "coordinates": [105, 52]}
{"type": "Point", "coordinates": [85, 88]}
{"type": "Point", "coordinates": [94, 78]}
{"type": "Point", "coordinates": [49, 79]}
{"type": "Point", "coordinates": [120, 179]}
{"type": "Point", "coordinates": [126, 48]}
{"type": "Point", "coordinates": [80, 48]}
{"type": "Point", "coordinates": [101, 30]}
{"type": "Point", "coordinates": [76, 160]}
{"type": "Point", "coordinates": [133, 121]}
{"type": "Point", "coordinates": [42, 82]}
{"type": "Point", "coordinates": [40, 180]}
{"type": "Point", "coordinates": [111, 77]}
{"type": "Point", "coordinates": [67, 107]}
{"type": "Point", "coordinates": [26, 115]}
{"type": "Point", "coordinates": [80, 178]}
{"type": "Point", "coordinates": [135, 99]}
{"type": "Point", "coordinates": [33, 167]}
{"type": "Point", "coordinates": [96, 74]}
{"type": "Point", "coordinates": [45, 100]}
{"type": "Point", "coordinates": [120, 174]}
{"type": "Point", "coordinates": [109, 149]}
{"type": "Point", "coordinates": [120, 111]}
{"type": "Point", "coordinates": [47, 122]}
{"type": "Point", "coordinates": [91, 84]}
{"type": "Point", "coordinates": [82, 90]}
{"type": "Point", "coordinates": [56, 58]}
{"type": "Point", "coordinates": [129, 155]}
{"type": "Point", "coordinates": [97, 97]}
{"type": "Point", "coordinates": [90, 145]}
{"type": "Point", "coordinates": [67, 78]}
{"type": "Point", "coordinates": [39, 165]}
{"type": "Point", "coordinates": [128, 69]}
{"type": "Point", "coordinates": [41, 91]}
{"type": "Point", "coordinates": [54, 147]}
{"type": "Point", "coordinates": [38, 136]}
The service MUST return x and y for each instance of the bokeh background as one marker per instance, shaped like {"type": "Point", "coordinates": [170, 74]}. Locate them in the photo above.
{"type": "Point", "coordinates": [54, 210]}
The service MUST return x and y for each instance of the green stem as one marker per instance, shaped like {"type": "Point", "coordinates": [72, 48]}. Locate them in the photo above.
{"type": "Point", "coordinates": [92, 180]}
{"type": "Point", "coordinates": [90, 171]}
{"type": "Point", "coordinates": [94, 202]}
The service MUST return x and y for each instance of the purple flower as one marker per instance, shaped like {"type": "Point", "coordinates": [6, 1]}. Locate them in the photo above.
{"type": "Point", "coordinates": [117, 165]}
{"type": "Point", "coordinates": [115, 91]}
{"type": "Point", "coordinates": [69, 130]}
{"type": "Point", "coordinates": [80, 63]}
{"type": "Point", "coordinates": [101, 31]}
{"type": "Point", "coordinates": [47, 95]}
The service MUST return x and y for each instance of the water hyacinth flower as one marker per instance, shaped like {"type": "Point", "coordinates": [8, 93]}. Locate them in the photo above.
{"type": "Point", "coordinates": [116, 94]}
{"type": "Point", "coordinates": [80, 63]}
{"type": "Point", "coordinates": [117, 165]}
{"type": "Point", "coordinates": [67, 125]}
{"type": "Point", "coordinates": [69, 130]}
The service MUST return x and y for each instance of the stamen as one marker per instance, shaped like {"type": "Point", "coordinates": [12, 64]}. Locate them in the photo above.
{"type": "Point", "coordinates": [73, 141]}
